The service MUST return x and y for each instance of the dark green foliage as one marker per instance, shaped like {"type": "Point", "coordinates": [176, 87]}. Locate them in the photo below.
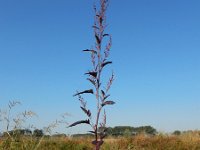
{"type": "Point", "coordinates": [38, 133]}
{"type": "Point", "coordinates": [120, 130]}
{"type": "Point", "coordinates": [18, 132]}
{"type": "Point", "coordinates": [177, 132]}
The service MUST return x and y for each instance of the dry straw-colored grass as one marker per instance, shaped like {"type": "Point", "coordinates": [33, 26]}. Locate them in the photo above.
{"type": "Point", "coordinates": [186, 141]}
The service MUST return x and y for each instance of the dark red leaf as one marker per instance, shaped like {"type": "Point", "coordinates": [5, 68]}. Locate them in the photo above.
{"type": "Point", "coordinates": [88, 50]}
{"type": "Point", "coordinates": [89, 113]}
{"type": "Point", "coordinates": [92, 81]}
{"type": "Point", "coordinates": [101, 19]}
{"type": "Point", "coordinates": [86, 111]}
{"type": "Point", "coordinates": [92, 73]}
{"type": "Point", "coordinates": [106, 63]}
{"type": "Point", "coordinates": [106, 96]}
{"type": "Point", "coordinates": [107, 103]}
{"type": "Point", "coordinates": [95, 27]}
{"type": "Point", "coordinates": [97, 39]}
{"type": "Point", "coordinates": [83, 92]}
{"type": "Point", "coordinates": [103, 93]}
{"type": "Point", "coordinates": [105, 35]}
{"type": "Point", "coordinates": [80, 122]}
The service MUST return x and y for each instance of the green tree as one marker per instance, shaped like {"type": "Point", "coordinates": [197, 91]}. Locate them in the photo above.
{"type": "Point", "coordinates": [177, 132]}
{"type": "Point", "coordinates": [38, 133]}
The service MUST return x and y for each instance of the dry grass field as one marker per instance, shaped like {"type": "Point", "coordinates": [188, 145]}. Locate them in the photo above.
{"type": "Point", "coordinates": [185, 141]}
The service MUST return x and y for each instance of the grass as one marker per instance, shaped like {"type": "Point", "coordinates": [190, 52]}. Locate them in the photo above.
{"type": "Point", "coordinates": [185, 141]}
{"type": "Point", "coordinates": [159, 142]}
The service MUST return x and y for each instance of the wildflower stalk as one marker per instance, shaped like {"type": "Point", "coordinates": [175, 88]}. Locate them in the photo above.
{"type": "Point", "coordinates": [99, 59]}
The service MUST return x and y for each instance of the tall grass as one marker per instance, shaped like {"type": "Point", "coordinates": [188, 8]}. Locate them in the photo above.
{"type": "Point", "coordinates": [14, 125]}
{"type": "Point", "coordinates": [188, 141]}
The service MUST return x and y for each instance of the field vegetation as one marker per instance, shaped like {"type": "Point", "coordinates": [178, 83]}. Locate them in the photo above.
{"type": "Point", "coordinates": [189, 140]}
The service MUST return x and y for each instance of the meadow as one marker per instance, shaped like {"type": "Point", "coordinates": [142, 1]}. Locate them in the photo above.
{"type": "Point", "coordinates": [186, 141]}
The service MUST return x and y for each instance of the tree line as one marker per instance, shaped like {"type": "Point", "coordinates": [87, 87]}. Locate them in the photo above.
{"type": "Point", "coordinates": [124, 131]}
{"type": "Point", "coordinates": [110, 131]}
{"type": "Point", "coordinates": [128, 130]}
{"type": "Point", "coordinates": [25, 132]}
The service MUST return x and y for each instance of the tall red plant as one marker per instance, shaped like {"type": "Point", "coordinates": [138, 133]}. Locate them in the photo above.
{"type": "Point", "coordinates": [100, 89]}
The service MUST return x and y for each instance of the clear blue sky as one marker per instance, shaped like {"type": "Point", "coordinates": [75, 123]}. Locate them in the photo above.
{"type": "Point", "coordinates": [155, 54]}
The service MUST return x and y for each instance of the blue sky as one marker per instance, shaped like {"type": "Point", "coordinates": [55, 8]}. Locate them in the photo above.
{"type": "Point", "coordinates": [155, 54]}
